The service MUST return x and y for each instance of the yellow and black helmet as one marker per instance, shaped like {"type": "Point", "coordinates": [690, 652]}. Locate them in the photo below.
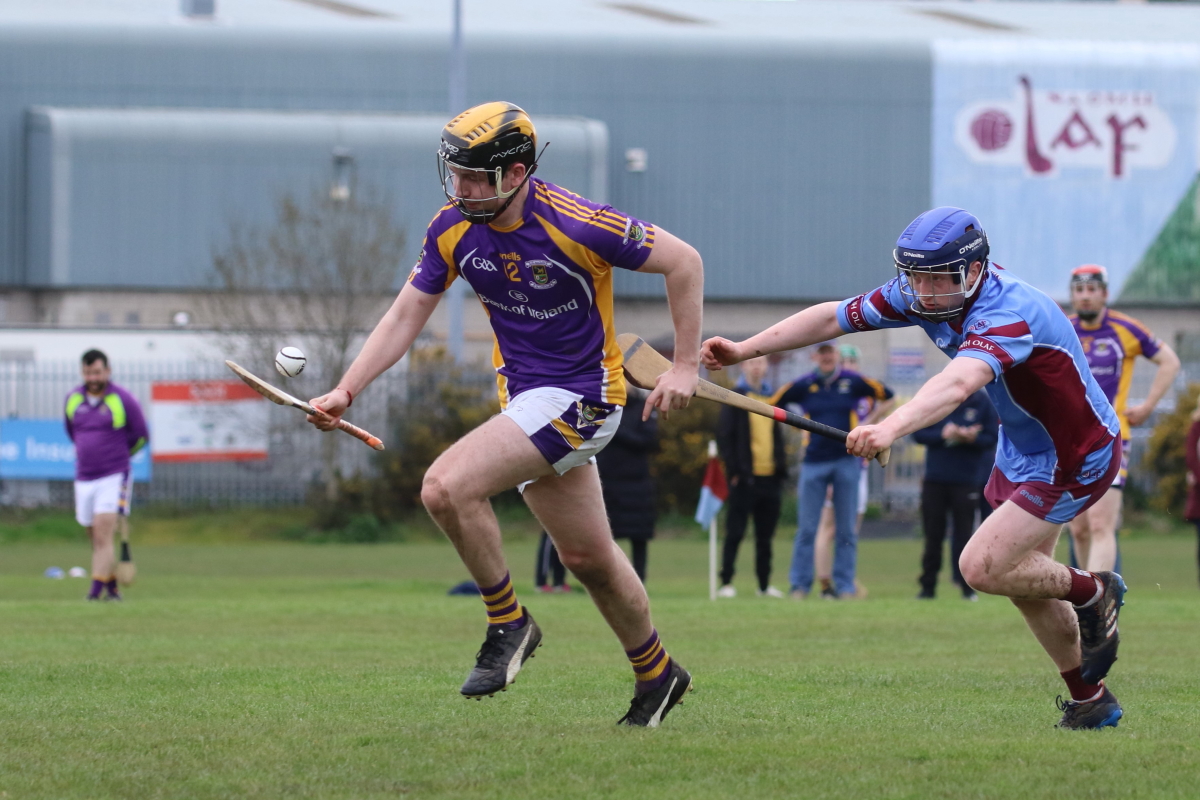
{"type": "Point", "coordinates": [485, 140]}
{"type": "Point", "coordinates": [488, 136]}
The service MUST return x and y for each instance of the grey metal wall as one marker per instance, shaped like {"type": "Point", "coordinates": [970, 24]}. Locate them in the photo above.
{"type": "Point", "coordinates": [140, 197]}
{"type": "Point", "coordinates": [791, 166]}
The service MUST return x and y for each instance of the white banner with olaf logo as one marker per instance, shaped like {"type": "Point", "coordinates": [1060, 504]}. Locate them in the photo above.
{"type": "Point", "coordinates": [1068, 152]}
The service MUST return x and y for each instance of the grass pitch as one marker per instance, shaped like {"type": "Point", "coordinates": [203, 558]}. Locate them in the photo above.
{"type": "Point", "coordinates": [275, 670]}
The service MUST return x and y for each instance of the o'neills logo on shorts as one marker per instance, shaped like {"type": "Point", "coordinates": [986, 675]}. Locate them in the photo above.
{"type": "Point", "coordinates": [1033, 498]}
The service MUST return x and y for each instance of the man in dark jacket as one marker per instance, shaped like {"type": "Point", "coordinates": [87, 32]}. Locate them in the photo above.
{"type": "Point", "coordinates": [626, 482]}
{"type": "Point", "coordinates": [756, 465]}
{"type": "Point", "coordinates": [955, 450]}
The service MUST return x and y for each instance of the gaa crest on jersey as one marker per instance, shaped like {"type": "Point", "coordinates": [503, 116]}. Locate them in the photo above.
{"type": "Point", "coordinates": [634, 232]}
{"type": "Point", "coordinates": [541, 274]}
{"type": "Point", "coordinates": [587, 415]}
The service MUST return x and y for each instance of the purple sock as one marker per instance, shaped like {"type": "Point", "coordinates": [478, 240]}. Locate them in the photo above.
{"type": "Point", "coordinates": [97, 587]}
{"type": "Point", "coordinates": [111, 585]}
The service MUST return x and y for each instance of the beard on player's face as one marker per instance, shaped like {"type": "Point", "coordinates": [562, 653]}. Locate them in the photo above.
{"type": "Point", "coordinates": [1088, 300]}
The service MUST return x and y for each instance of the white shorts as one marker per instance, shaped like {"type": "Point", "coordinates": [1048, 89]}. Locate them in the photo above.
{"type": "Point", "coordinates": [566, 428]}
{"type": "Point", "coordinates": [107, 495]}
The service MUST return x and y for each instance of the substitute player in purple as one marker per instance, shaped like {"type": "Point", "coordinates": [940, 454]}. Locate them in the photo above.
{"type": "Point", "coordinates": [107, 426]}
{"type": "Point", "coordinates": [1059, 448]}
{"type": "Point", "coordinates": [1112, 341]}
{"type": "Point", "coordinates": [540, 260]}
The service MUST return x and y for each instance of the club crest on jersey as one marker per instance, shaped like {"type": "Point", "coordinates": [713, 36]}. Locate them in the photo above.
{"type": "Point", "coordinates": [541, 275]}
{"type": "Point", "coordinates": [634, 232]}
{"type": "Point", "coordinates": [588, 416]}
{"type": "Point", "coordinates": [979, 326]}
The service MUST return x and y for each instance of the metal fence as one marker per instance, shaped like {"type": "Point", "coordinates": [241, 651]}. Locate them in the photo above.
{"type": "Point", "coordinates": [296, 451]}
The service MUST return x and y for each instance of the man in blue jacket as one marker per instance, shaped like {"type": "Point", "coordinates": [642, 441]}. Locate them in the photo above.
{"type": "Point", "coordinates": [955, 448]}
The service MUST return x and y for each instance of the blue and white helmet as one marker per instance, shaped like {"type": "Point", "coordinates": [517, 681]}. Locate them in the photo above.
{"type": "Point", "coordinates": [946, 239]}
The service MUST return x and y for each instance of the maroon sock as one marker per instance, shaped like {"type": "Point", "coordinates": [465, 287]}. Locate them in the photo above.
{"type": "Point", "coordinates": [1083, 587]}
{"type": "Point", "coordinates": [1080, 691]}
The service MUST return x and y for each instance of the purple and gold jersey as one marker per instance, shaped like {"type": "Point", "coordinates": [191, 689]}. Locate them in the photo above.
{"type": "Point", "coordinates": [546, 285]}
{"type": "Point", "coordinates": [1111, 344]}
{"type": "Point", "coordinates": [1056, 423]}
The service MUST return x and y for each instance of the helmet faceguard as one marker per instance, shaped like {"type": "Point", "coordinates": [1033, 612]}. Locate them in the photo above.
{"type": "Point", "coordinates": [944, 241]}
{"type": "Point", "coordinates": [1088, 274]}
{"type": "Point", "coordinates": [478, 145]}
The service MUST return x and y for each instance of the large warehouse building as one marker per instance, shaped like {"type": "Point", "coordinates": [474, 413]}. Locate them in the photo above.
{"type": "Point", "coordinates": [789, 141]}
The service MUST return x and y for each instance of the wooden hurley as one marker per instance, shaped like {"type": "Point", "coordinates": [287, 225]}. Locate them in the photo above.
{"type": "Point", "coordinates": [643, 365]}
{"type": "Point", "coordinates": [280, 397]}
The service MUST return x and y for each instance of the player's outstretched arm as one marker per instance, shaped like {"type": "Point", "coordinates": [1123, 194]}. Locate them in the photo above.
{"type": "Point", "coordinates": [1164, 378]}
{"type": "Point", "coordinates": [814, 324]}
{"type": "Point", "coordinates": [934, 401]}
{"type": "Point", "coordinates": [681, 266]}
{"type": "Point", "coordinates": [386, 345]}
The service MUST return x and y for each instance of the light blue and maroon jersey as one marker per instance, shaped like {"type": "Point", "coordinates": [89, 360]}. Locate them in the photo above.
{"type": "Point", "coordinates": [546, 285]}
{"type": "Point", "coordinates": [1055, 420]}
{"type": "Point", "coordinates": [1111, 344]}
{"type": "Point", "coordinates": [105, 434]}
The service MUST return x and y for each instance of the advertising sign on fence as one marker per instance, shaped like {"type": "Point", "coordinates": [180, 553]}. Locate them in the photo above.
{"type": "Point", "coordinates": [39, 449]}
{"type": "Point", "coordinates": [207, 421]}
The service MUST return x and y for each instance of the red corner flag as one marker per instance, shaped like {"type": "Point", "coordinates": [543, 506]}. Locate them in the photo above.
{"type": "Point", "coordinates": [713, 492]}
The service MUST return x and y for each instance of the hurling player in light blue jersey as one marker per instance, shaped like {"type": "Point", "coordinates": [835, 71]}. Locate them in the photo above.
{"type": "Point", "coordinates": [540, 260]}
{"type": "Point", "coordinates": [1059, 447]}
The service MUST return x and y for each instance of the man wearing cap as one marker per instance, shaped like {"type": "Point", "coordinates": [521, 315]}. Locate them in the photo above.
{"type": "Point", "coordinates": [829, 395]}
{"type": "Point", "coordinates": [1111, 343]}
{"type": "Point", "coordinates": [867, 413]}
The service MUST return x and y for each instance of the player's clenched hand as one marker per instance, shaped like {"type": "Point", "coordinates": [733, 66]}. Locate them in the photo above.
{"type": "Point", "coordinates": [868, 440]}
{"type": "Point", "coordinates": [1138, 414]}
{"type": "Point", "coordinates": [719, 352]}
{"type": "Point", "coordinates": [673, 389]}
{"type": "Point", "coordinates": [332, 403]}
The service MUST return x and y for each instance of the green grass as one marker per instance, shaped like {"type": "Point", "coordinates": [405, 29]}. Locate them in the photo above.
{"type": "Point", "coordinates": [332, 671]}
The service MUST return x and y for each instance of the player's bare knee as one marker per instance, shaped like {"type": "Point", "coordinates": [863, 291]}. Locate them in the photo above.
{"type": "Point", "coordinates": [977, 572]}
{"type": "Point", "coordinates": [435, 495]}
{"type": "Point", "coordinates": [592, 569]}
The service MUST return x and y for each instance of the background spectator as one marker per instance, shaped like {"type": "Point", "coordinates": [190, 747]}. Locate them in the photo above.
{"type": "Point", "coordinates": [549, 574]}
{"type": "Point", "coordinates": [955, 451]}
{"type": "Point", "coordinates": [1192, 513]}
{"type": "Point", "coordinates": [755, 465]}
{"type": "Point", "coordinates": [867, 413]}
{"type": "Point", "coordinates": [626, 480]}
{"type": "Point", "coordinates": [829, 395]}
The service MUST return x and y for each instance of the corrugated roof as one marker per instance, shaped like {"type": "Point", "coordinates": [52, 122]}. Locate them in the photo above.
{"type": "Point", "coordinates": [775, 20]}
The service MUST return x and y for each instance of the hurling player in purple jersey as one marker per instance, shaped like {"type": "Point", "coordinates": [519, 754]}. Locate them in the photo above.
{"type": "Point", "coordinates": [1059, 447]}
{"type": "Point", "coordinates": [1112, 341]}
{"type": "Point", "coordinates": [540, 260]}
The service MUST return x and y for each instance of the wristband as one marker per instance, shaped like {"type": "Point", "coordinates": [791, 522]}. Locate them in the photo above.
{"type": "Point", "coordinates": [347, 391]}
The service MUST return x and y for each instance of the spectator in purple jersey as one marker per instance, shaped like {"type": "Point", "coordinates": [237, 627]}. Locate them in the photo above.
{"type": "Point", "coordinates": [1059, 447]}
{"type": "Point", "coordinates": [107, 426]}
{"type": "Point", "coordinates": [1112, 341]}
{"type": "Point", "coordinates": [540, 260]}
